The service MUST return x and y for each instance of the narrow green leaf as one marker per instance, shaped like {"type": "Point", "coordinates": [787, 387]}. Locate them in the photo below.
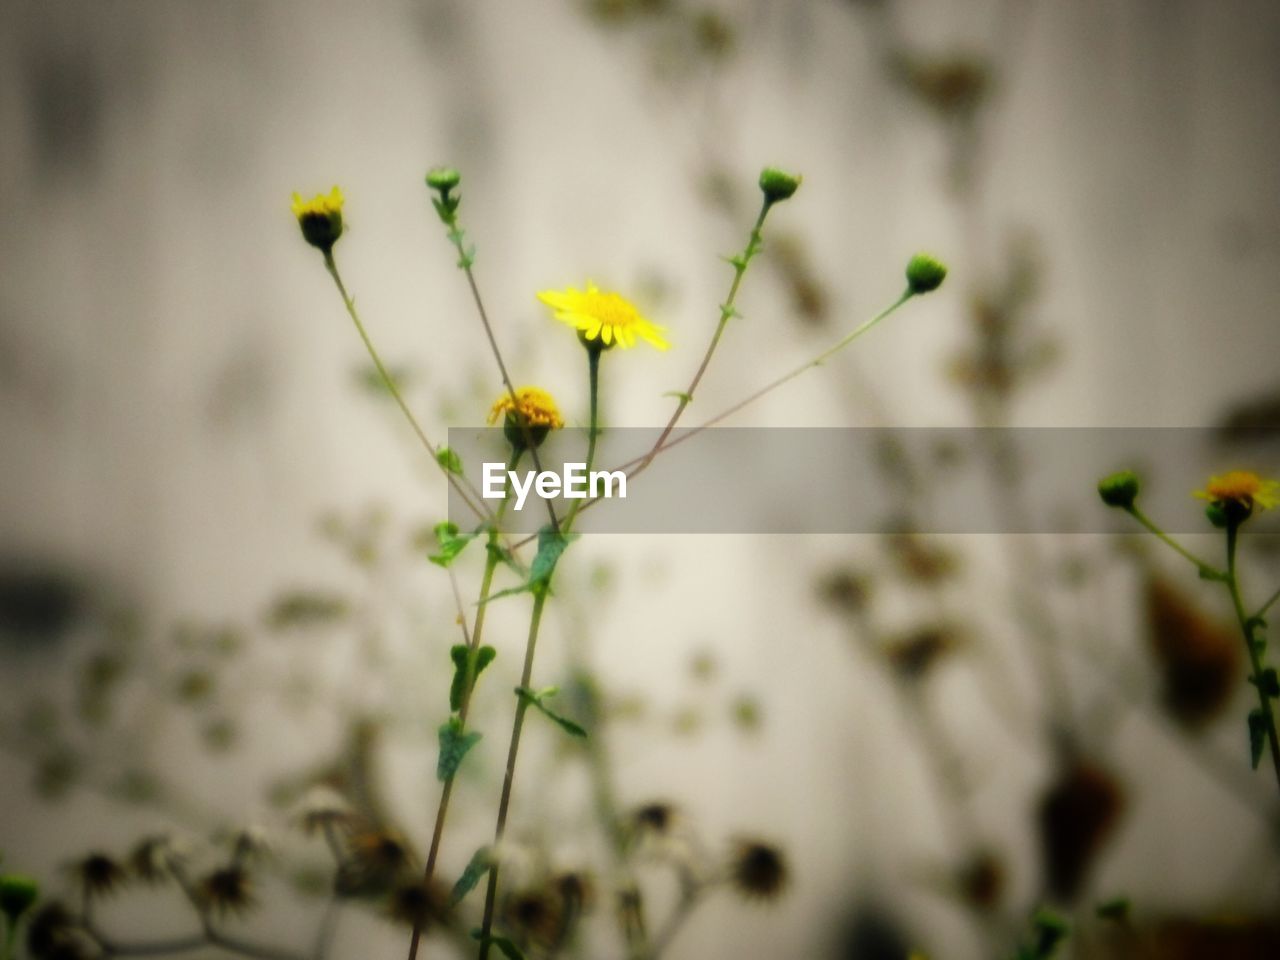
{"type": "Point", "coordinates": [454, 744]}
{"type": "Point", "coordinates": [679, 395]}
{"type": "Point", "coordinates": [450, 460]}
{"type": "Point", "coordinates": [509, 949]}
{"type": "Point", "coordinates": [476, 869]}
{"type": "Point", "coordinates": [1267, 683]}
{"type": "Point", "coordinates": [461, 655]}
{"type": "Point", "coordinates": [535, 700]}
{"type": "Point", "coordinates": [1257, 735]}
{"type": "Point", "coordinates": [451, 543]}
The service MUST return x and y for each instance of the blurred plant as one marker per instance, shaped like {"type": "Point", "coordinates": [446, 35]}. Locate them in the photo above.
{"type": "Point", "coordinates": [1232, 499]}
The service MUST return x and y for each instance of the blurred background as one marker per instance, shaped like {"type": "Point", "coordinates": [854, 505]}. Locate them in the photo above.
{"type": "Point", "coordinates": [213, 587]}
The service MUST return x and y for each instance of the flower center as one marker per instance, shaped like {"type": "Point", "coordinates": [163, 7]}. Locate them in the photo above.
{"type": "Point", "coordinates": [611, 309]}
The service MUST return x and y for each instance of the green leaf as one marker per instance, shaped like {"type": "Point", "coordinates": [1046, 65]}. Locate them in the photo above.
{"type": "Point", "coordinates": [476, 868]}
{"type": "Point", "coordinates": [1050, 930]}
{"type": "Point", "coordinates": [728, 311]}
{"type": "Point", "coordinates": [505, 556]}
{"type": "Point", "coordinates": [1257, 735]}
{"type": "Point", "coordinates": [509, 949]}
{"type": "Point", "coordinates": [551, 543]}
{"type": "Point", "coordinates": [451, 543]}
{"type": "Point", "coordinates": [454, 744]}
{"type": "Point", "coordinates": [448, 459]}
{"type": "Point", "coordinates": [680, 395]}
{"type": "Point", "coordinates": [462, 655]}
{"type": "Point", "coordinates": [535, 700]}
{"type": "Point", "coordinates": [1267, 683]}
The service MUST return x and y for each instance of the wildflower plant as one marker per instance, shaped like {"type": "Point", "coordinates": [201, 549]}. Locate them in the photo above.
{"type": "Point", "coordinates": [1232, 500]}
{"type": "Point", "coordinates": [603, 320]}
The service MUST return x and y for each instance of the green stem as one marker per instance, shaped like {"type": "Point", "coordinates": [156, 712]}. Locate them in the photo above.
{"type": "Point", "coordinates": [641, 462]}
{"type": "Point", "coordinates": [1207, 570]}
{"type": "Point", "coordinates": [332, 266]}
{"type": "Point", "coordinates": [464, 264]}
{"type": "Point", "coordinates": [727, 312]}
{"type": "Point", "coordinates": [473, 641]}
{"type": "Point", "coordinates": [504, 804]}
{"type": "Point", "coordinates": [593, 377]}
{"type": "Point", "coordinates": [1262, 610]}
{"type": "Point", "coordinates": [1255, 655]}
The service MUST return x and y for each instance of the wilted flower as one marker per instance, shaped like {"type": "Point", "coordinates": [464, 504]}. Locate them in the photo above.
{"type": "Point", "coordinates": [153, 859]}
{"type": "Point", "coordinates": [418, 903]}
{"type": "Point", "coordinates": [98, 874]}
{"type": "Point", "coordinates": [535, 916]}
{"type": "Point", "coordinates": [54, 934]}
{"type": "Point", "coordinates": [757, 870]}
{"type": "Point", "coordinates": [227, 890]}
{"type": "Point", "coordinates": [324, 808]}
{"type": "Point", "coordinates": [377, 859]}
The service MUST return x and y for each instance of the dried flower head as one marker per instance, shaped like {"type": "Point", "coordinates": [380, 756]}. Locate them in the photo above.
{"type": "Point", "coordinates": [98, 874]}
{"type": "Point", "coordinates": [914, 654]}
{"type": "Point", "coordinates": [602, 319]}
{"type": "Point", "coordinates": [1236, 493]}
{"type": "Point", "coordinates": [1077, 815]}
{"type": "Point", "coordinates": [418, 903]}
{"type": "Point", "coordinates": [227, 890]}
{"type": "Point", "coordinates": [1199, 659]}
{"type": "Point", "coordinates": [376, 861]}
{"type": "Point", "coordinates": [757, 870]}
{"type": "Point", "coordinates": [535, 916]}
{"type": "Point", "coordinates": [54, 934]}
{"type": "Point", "coordinates": [320, 218]}
{"type": "Point", "coordinates": [981, 880]}
{"type": "Point", "coordinates": [324, 808]}
{"type": "Point", "coordinates": [249, 843]}
{"type": "Point", "coordinates": [154, 858]}
{"type": "Point", "coordinates": [656, 817]}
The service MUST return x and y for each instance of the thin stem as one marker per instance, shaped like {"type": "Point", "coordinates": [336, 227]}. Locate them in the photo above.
{"type": "Point", "coordinates": [464, 263]}
{"type": "Point", "coordinates": [593, 377]}
{"type": "Point", "coordinates": [332, 266]}
{"type": "Point", "coordinates": [504, 804]}
{"type": "Point", "coordinates": [683, 910]}
{"type": "Point", "coordinates": [1262, 610]}
{"type": "Point", "coordinates": [727, 313]}
{"type": "Point", "coordinates": [1205, 568]}
{"type": "Point", "coordinates": [473, 642]}
{"type": "Point", "coordinates": [639, 463]}
{"type": "Point", "coordinates": [1255, 655]}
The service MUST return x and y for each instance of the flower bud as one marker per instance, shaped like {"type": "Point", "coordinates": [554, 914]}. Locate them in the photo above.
{"type": "Point", "coordinates": [443, 179]}
{"type": "Point", "coordinates": [1119, 490]}
{"type": "Point", "coordinates": [924, 274]}
{"type": "Point", "coordinates": [17, 894]}
{"type": "Point", "coordinates": [778, 185]}
{"type": "Point", "coordinates": [320, 218]}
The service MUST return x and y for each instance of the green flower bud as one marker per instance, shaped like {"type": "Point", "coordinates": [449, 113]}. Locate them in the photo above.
{"type": "Point", "coordinates": [1119, 490]}
{"type": "Point", "coordinates": [1228, 513]}
{"type": "Point", "coordinates": [17, 894]}
{"type": "Point", "coordinates": [777, 184]}
{"type": "Point", "coordinates": [924, 274]}
{"type": "Point", "coordinates": [443, 179]}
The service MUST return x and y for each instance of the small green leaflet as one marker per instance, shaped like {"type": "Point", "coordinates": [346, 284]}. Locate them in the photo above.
{"type": "Point", "coordinates": [1257, 735]}
{"type": "Point", "coordinates": [461, 654]}
{"type": "Point", "coordinates": [551, 543]}
{"type": "Point", "coordinates": [509, 949]}
{"type": "Point", "coordinates": [454, 744]}
{"type": "Point", "coordinates": [534, 700]}
{"type": "Point", "coordinates": [451, 543]}
{"type": "Point", "coordinates": [477, 868]}
{"type": "Point", "coordinates": [448, 459]}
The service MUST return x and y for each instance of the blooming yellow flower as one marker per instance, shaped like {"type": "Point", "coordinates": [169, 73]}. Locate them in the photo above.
{"type": "Point", "coordinates": [606, 317]}
{"type": "Point", "coordinates": [1243, 487]}
{"type": "Point", "coordinates": [538, 407]}
{"type": "Point", "coordinates": [320, 218]}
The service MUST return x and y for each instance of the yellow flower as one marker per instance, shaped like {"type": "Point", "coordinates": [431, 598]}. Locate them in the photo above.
{"type": "Point", "coordinates": [1242, 487]}
{"type": "Point", "coordinates": [537, 406]}
{"type": "Point", "coordinates": [320, 218]}
{"type": "Point", "coordinates": [605, 317]}
{"type": "Point", "coordinates": [539, 411]}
